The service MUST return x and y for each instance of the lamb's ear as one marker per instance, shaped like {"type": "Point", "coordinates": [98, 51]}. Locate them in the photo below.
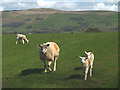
{"type": "Point", "coordinates": [48, 45]}
{"type": "Point", "coordinates": [40, 45]}
{"type": "Point", "coordinates": [80, 57]}
{"type": "Point", "coordinates": [85, 52]}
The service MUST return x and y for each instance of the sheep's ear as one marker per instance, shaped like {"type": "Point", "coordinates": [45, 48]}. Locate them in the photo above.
{"type": "Point", "coordinates": [80, 57]}
{"type": "Point", "coordinates": [85, 52]}
{"type": "Point", "coordinates": [48, 45]}
{"type": "Point", "coordinates": [40, 45]}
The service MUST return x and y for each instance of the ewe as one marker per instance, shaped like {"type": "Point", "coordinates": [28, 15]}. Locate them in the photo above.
{"type": "Point", "coordinates": [49, 51]}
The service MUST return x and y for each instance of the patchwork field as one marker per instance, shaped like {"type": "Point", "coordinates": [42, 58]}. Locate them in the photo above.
{"type": "Point", "coordinates": [56, 21]}
{"type": "Point", "coordinates": [22, 67]}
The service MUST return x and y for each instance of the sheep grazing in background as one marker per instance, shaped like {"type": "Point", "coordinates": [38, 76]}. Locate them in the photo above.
{"type": "Point", "coordinates": [21, 37]}
{"type": "Point", "coordinates": [87, 62]}
{"type": "Point", "coordinates": [49, 51]}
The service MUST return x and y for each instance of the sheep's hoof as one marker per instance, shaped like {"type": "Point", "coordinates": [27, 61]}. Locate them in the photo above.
{"type": "Point", "coordinates": [50, 70]}
{"type": "Point", "coordinates": [54, 69]}
{"type": "Point", "coordinates": [45, 72]}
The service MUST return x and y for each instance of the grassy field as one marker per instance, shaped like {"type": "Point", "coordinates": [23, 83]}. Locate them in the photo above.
{"type": "Point", "coordinates": [22, 67]}
{"type": "Point", "coordinates": [50, 20]}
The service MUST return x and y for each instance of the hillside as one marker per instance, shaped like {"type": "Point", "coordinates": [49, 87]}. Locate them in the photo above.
{"type": "Point", "coordinates": [46, 20]}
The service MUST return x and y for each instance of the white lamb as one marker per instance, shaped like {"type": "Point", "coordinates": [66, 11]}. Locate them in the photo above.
{"type": "Point", "coordinates": [87, 62]}
{"type": "Point", "coordinates": [21, 37]}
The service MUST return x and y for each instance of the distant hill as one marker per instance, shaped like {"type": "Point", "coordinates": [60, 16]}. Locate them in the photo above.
{"type": "Point", "coordinates": [46, 20]}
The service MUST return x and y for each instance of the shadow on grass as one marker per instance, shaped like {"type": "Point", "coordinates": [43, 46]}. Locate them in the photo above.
{"type": "Point", "coordinates": [77, 68]}
{"type": "Point", "coordinates": [75, 76]}
{"type": "Point", "coordinates": [31, 71]}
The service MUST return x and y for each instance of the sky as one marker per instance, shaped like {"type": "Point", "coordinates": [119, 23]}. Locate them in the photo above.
{"type": "Point", "coordinates": [67, 5]}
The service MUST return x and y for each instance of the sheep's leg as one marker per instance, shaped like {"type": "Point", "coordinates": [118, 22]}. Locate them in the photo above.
{"type": "Point", "coordinates": [45, 67]}
{"type": "Point", "coordinates": [16, 41]}
{"type": "Point", "coordinates": [91, 69]}
{"type": "Point", "coordinates": [23, 41]}
{"type": "Point", "coordinates": [86, 71]}
{"type": "Point", "coordinates": [55, 63]}
{"type": "Point", "coordinates": [49, 63]}
{"type": "Point", "coordinates": [92, 63]}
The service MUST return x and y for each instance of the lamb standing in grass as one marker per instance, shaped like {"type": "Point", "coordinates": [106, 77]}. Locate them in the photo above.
{"type": "Point", "coordinates": [87, 62]}
{"type": "Point", "coordinates": [49, 52]}
{"type": "Point", "coordinates": [21, 37]}
{"type": "Point", "coordinates": [90, 56]}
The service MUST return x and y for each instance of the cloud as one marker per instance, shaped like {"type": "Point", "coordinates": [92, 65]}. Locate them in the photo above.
{"type": "Point", "coordinates": [57, 5]}
{"type": "Point", "coordinates": [18, 5]}
{"type": "Point", "coordinates": [113, 0]}
{"type": "Point", "coordinates": [61, 0]}
{"type": "Point", "coordinates": [8, 1]}
{"type": "Point", "coordinates": [102, 6]}
{"type": "Point", "coordinates": [3, 1]}
{"type": "Point", "coordinates": [26, 5]}
{"type": "Point", "coordinates": [70, 6]}
{"type": "Point", "coordinates": [67, 6]}
{"type": "Point", "coordinates": [44, 3]}
{"type": "Point", "coordinates": [1, 8]}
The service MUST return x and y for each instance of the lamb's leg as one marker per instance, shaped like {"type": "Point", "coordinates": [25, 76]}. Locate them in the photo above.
{"type": "Point", "coordinates": [45, 67]}
{"type": "Point", "coordinates": [23, 41]}
{"type": "Point", "coordinates": [49, 63]}
{"type": "Point", "coordinates": [16, 41]}
{"type": "Point", "coordinates": [91, 69]}
{"type": "Point", "coordinates": [86, 71]}
{"type": "Point", "coordinates": [55, 63]}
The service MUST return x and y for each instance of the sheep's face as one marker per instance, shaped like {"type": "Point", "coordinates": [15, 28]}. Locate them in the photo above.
{"type": "Point", "coordinates": [44, 47]}
{"type": "Point", "coordinates": [27, 41]}
{"type": "Point", "coordinates": [83, 59]}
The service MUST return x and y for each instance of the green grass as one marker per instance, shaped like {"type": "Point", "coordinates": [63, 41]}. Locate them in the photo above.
{"type": "Point", "coordinates": [56, 22]}
{"type": "Point", "coordinates": [22, 67]}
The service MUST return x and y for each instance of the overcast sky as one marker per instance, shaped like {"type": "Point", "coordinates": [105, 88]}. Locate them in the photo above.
{"type": "Point", "coordinates": [67, 5]}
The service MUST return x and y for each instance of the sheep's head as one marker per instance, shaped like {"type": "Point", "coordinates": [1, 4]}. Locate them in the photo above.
{"type": "Point", "coordinates": [27, 41]}
{"type": "Point", "coordinates": [88, 54]}
{"type": "Point", "coordinates": [44, 47]}
{"type": "Point", "coordinates": [83, 59]}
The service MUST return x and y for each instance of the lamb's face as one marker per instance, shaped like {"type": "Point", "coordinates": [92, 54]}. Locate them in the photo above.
{"type": "Point", "coordinates": [83, 59]}
{"type": "Point", "coordinates": [27, 41]}
{"type": "Point", "coordinates": [44, 47]}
